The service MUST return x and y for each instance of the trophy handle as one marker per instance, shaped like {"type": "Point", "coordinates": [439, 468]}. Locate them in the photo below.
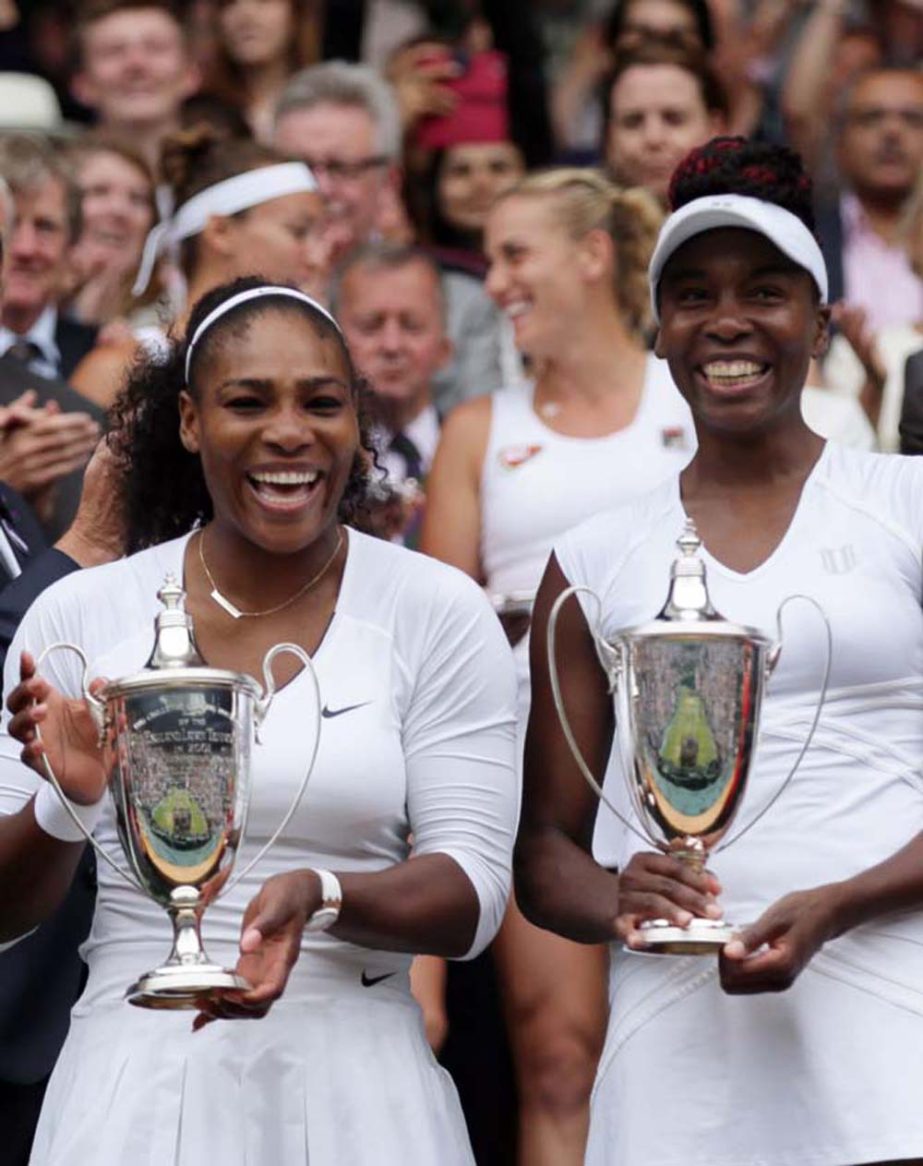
{"type": "Point", "coordinates": [611, 660]}
{"type": "Point", "coordinates": [773, 659]}
{"type": "Point", "coordinates": [98, 712]}
{"type": "Point", "coordinates": [262, 708]}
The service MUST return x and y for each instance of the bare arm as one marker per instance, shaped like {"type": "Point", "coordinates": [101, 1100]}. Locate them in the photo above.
{"type": "Point", "coordinates": [805, 101]}
{"type": "Point", "coordinates": [558, 883]}
{"type": "Point", "coordinates": [102, 373]}
{"type": "Point", "coordinates": [36, 869]}
{"type": "Point", "coordinates": [452, 522]}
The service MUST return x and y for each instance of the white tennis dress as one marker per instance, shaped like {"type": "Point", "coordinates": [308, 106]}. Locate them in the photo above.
{"type": "Point", "coordinates": [418, 686]}
{"type": "Point", "coordinates": [827, 1073]}
{"type": "Point", "coordinates": [537, 483]}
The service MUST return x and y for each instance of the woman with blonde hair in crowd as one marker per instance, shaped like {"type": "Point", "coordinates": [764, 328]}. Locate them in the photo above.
{"type": "Point", "coordinates": [241, 209]}
{"type": "Point", "coordinates": [600, 421]}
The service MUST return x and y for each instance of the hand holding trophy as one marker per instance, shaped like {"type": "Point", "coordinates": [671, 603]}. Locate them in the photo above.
{"type": "Point", "coordinates": [175, 742]}
{"type": "Point", "coordinates": [688, 688]}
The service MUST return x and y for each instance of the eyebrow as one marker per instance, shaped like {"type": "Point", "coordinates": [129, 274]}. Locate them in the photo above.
{"type": "Point", "coordinates": [264, 384]}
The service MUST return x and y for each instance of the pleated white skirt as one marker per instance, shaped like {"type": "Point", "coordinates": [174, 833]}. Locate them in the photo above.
{"type": "Point", "coordinates": [340, 1076]}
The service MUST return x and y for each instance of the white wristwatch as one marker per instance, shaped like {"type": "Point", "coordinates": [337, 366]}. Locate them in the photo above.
{"type": "Point", "coordinates": [331, 900]}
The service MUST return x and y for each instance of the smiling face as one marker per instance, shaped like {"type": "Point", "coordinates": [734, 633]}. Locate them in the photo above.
{"type": "Point", "coordinates": [117, 204]}
{"type": "Point", "coordinates": [272, 416]}
{"type": "Point", "coordinates": [539, 273]}
{"type": "Point", "coordinates": [739, 325]}
{"type": "Point", "coordinates": [338, 142]}
{"type": "Point", "coordinates": [136, 68]}
{"type": "Point", "coordinates": [255, 32]}
{"type": "Point", "coordinates": [37, 250]}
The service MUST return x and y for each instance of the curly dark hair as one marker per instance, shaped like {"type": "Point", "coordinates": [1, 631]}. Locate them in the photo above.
{"type": "Point", "coordinates": [165, 490]}
{"type": "Point", "coordinates": [734, 165]}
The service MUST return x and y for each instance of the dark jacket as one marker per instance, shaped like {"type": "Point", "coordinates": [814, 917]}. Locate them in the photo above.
{"type": "Point", "coordinates": [911, 424]}
{"type": "Point", "coordinates": [42, 976]}
{"type": "Point", "coordinates": [14, 380]}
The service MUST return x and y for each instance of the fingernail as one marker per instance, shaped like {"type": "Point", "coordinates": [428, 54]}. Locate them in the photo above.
{"type": "Point", "coordinates": [683, 918]}
{"type": "Point", "coordinates": [714, 911]}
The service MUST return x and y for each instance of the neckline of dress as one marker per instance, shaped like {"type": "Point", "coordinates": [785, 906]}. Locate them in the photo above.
{"type": "Point", "coordinates": [322, 649]}
{"type": "Point", "coordinates": [780, 547]}
{"type": "Point", "coordinates": [643, 405]}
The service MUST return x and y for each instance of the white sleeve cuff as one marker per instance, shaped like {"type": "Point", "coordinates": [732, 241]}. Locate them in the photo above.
{"type": "Point", "coordinates": [53, 818]}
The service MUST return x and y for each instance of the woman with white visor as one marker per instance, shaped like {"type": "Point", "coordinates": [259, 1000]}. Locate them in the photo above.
{"type": "Point", "coordinates": [803, 1041]}
{"type": "Point", "coordinates": [241, 209]}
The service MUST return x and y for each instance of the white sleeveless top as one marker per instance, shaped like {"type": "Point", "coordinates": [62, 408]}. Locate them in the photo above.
{"type": "Point", "coordinates": [537, 483]}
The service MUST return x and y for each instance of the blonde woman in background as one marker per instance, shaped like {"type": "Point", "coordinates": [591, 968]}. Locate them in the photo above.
{"type": "Point", "coordinates": [601, 421]}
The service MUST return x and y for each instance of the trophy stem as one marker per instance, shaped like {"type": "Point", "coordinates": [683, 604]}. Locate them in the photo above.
{"type": "Point", "coordinates": [188, 974]}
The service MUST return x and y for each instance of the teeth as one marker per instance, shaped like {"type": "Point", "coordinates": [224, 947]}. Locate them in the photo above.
{"type": "Point", "coordinates": [516, 309]}
{"type": "Point", "coordinates": [732, 370]}
{"type": "Point", "coordinates": [286, 478]}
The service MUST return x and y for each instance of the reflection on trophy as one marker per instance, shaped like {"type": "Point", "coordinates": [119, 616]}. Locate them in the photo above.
{"type": "Point", "coordinates": [176, 740]}
{"type": "Point", "coordinates": [688, 688]}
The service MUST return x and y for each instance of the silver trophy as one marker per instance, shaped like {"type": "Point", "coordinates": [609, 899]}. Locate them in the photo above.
{"type": "Point", "coordinates": [688, 688]}
{"type": "Point", "coordinates": [176, 741]}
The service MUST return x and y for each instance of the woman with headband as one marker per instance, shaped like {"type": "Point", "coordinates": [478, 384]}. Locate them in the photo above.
{"type": "Point", "coordinates": [241, 209]}
{"type": "Point", "coordinates": [246, 454]}
{"type": "Point", "coordinates": [803, 1042]}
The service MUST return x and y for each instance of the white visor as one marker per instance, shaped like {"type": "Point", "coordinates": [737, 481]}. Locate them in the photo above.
{"type": "Point", "coordinates": [228, 197]}
{"type": "Point", "coordinates": [783, 229]}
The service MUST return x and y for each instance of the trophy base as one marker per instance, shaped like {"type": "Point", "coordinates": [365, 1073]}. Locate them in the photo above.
{"type": "Point", "coordinates": [177, 986]}
{"type": "Point", "coordinates": [701, 937]}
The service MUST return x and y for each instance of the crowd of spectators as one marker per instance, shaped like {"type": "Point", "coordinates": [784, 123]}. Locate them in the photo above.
{"type": "Point", "coordinates": [414, 118]}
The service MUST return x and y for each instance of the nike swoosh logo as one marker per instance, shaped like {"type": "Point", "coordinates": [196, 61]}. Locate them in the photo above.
{"type": "Point", "coordinates": [328, 712]}
{"type": "Point", "coordinates": [371, 981]}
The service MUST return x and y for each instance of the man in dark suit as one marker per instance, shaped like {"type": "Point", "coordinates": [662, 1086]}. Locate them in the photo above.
{"type": "Point", "coordinates": [911, 425]}
{"type": "Point", "coordinates": [45, 224]}
{"type": "Point", "coordinates": [42, 975]}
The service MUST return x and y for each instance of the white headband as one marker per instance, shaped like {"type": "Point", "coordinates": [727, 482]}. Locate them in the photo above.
{"type": "Point", "coordinates": [255, 293]}
{"type": "Point", "coordinates": [785, 230]}
{"type": "Point", "coordinates": [224, 198]}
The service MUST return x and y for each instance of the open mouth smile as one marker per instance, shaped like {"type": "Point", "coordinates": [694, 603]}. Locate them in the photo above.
{"type": "Point", "coordinates": [284, 489]}
{"type": "Point", "coordinates": [733, 376]}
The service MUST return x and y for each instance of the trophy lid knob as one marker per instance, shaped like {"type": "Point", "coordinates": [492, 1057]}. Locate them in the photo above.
{"type": "Point", "coordinates": [688, 597]}
{"type": "Point", "coordinates": [174, 643]}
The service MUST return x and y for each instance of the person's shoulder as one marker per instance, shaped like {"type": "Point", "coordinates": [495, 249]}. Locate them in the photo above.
{"type": "Point", "coordinates": [886, 486]}
{"type": "Point", "coordinates": [394, 572]}
{"type": "Point", "coordinates": [606, 539]}
{"type": "Point", "coordinates": [105, 590]}
{"type": "Point", "coordinates": [467, 425]}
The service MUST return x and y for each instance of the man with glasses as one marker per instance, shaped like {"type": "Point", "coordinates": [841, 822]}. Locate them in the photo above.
{"type": "Point", "coordinates": [342, 119]}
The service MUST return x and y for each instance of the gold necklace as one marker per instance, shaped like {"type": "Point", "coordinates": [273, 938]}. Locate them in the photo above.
{"type": "Point", "coordinates": [235, 612]}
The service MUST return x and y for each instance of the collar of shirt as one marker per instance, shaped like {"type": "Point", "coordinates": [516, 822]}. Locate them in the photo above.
{"type": "Point", "coordinates": [877, 275]}
{"type": "Point", "coordinates": [41, 334]}
{"type": "Point", "coordinates": [423, 431]}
